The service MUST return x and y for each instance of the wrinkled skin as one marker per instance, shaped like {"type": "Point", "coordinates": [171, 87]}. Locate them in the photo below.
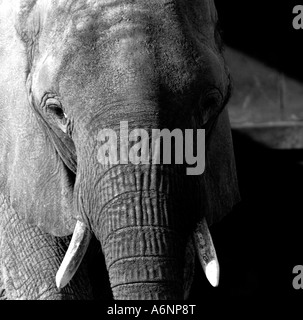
{"type": "Point", "coordinates": [70, 69]}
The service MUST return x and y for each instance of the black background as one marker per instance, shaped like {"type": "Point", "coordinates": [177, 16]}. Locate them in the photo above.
{"type": "Point", "coordinates": [263, 29]}
{"type": "Point", "coordinates": [260, 242]}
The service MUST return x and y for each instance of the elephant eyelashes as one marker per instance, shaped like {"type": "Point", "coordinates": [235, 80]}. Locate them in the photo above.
{"type": "Point", "coordinates": [55, 112]}
{"type": "Point", "coordinates": [58, 116]}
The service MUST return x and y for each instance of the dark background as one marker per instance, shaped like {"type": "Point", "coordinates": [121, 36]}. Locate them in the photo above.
{"type": "Point", "coordinates": [263, 29]}
{"type": "Point", "coordinates": [261, 240]}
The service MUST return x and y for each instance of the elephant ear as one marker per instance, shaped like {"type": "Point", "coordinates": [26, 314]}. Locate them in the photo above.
{"type": "Point", "coordinates": [32, 174]}
{"type": "Point", "coordinates": [41, 186]}
{"type": "Point", "coordinates": [220, 184]}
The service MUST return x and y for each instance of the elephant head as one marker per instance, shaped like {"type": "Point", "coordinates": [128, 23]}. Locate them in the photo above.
{"type": "Point", "coordinates": [72, 69]}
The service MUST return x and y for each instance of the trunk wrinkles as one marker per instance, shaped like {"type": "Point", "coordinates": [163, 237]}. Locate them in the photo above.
{"type": "Point", "coordinates": [139, 226]}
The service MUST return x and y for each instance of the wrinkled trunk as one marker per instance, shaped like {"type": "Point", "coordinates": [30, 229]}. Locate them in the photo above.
{"type": "Point", "coordinates": [139, 226]}
{"type": "Point", "coordinates": [141, 248]}
{"type": "Point", "coordinates": [143, 262]}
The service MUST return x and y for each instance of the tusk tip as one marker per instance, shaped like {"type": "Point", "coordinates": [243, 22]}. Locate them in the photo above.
{"type": "Point", "coordinates": [212, 273]}
{"type": "Point", "coordinates": [61, 282]}
{"type": "Point", "coordinates": [74, 255]}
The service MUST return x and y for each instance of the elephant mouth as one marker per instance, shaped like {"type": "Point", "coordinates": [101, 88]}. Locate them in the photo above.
{"type": "Point", "coordinates": [201, 238]}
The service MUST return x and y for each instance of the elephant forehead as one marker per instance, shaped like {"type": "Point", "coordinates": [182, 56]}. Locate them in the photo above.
{"type": "Point", "coordinates": [121, 10]}
{"type": "Point", "coordinates": [108, 14]}
{"type": "Point", "coordinates": [83, 6]}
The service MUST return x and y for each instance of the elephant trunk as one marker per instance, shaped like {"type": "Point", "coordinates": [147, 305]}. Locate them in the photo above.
{"type": "Point", "coordinates": [141, 251]}
{"type": "Point", "coordinates": [141, 267]}
{"type": "Point", "coordinates": [139, 226]}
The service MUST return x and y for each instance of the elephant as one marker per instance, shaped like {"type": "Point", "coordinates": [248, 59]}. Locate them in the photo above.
{"type": "Point", "coordinates": [70, 69]}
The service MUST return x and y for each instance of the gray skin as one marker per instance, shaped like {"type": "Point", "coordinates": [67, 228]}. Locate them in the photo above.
{"type": "Point", "coordinates": [68, 70]}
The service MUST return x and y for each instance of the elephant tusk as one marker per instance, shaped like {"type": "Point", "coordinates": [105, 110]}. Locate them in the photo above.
{"type": "Point", "coordinates": [74, 255]}
{"type": "Point", "coordinates": [206, 252]}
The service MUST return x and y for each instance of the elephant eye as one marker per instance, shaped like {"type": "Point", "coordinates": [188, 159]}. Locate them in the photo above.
{"type": "Point", "coordinates": [55, 113]}
{"type": "Point", "coordinates": [209, 106]}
